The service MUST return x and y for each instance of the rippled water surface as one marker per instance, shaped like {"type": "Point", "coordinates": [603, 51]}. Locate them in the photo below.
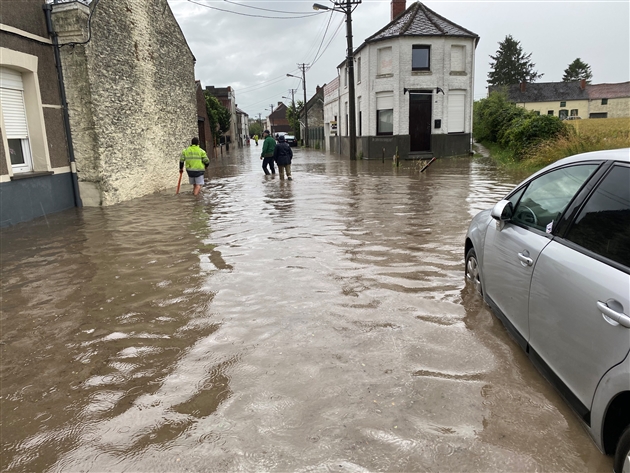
{"type": "Point", "coordinates": [321, 324]}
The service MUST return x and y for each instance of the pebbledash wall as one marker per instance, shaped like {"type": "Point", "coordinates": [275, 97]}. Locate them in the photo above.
{"type": "Point", "coordinates": [131, 95]}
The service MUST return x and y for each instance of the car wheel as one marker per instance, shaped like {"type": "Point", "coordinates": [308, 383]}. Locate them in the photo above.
{"type": "Point", "coordinates": [473, 272]}
{"type": "Point", "coordinates": [622, 454]}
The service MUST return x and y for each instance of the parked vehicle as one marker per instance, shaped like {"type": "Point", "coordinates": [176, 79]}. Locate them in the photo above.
{"type": "Point", "coordinates": [552, 260]}
{"type": "Point", "coordinates": [291, 140]}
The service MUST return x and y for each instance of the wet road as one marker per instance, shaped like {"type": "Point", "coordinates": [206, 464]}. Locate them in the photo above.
{"type": "Point", "coordinates": [321, 324]}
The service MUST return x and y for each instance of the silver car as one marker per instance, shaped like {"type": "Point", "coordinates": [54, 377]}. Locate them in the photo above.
{"type": "Point", "coordinates": [552, 260]}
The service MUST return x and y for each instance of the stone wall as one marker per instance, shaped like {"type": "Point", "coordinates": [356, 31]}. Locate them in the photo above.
{"type": "Point", "coordinates": [131, 96]}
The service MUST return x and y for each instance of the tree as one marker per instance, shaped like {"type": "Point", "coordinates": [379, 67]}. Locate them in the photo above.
{"type": "Point", "coordinates": [293, 116]}
{"type": "Point", "coordinates": [255, 128]}
{"type": "Point", "coordinates": [218, 115]}
{"type": "Point", "coordinates": [511, 65]}
{"type": "Point", "coordinates": [577, 70]}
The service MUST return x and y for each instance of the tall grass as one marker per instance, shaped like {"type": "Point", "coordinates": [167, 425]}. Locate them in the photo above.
{"type": "Point", "coordinates": [586, 135]}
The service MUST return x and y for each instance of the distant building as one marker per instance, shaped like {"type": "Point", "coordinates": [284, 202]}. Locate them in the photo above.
{"type": "Point", "coordinates": [414, 88]}
{"type": "Point", "coordinates": [571, 99]}
{"type": "Point", "coordinates": [277, 121]}
{"type": "Point", "coordinates": [36, 173]}
{"type": "Point", "coordinates": [315, 111]}
{"type": "Point", "coordinates": [227, 97]}
{"type": "Point", "coordinates": [206, 136]}
{"type": "Point", "coordinates": [243, 126]}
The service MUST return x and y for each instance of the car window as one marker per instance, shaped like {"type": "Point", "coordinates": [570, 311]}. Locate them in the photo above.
{"type": "Point", "coordinates": [547, 196]}
{"type": "Point", "coordinates": [603, 224]}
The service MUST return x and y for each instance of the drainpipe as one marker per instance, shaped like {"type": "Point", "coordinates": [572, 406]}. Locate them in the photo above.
{"type": "Point", "coordinates": [64, 105]}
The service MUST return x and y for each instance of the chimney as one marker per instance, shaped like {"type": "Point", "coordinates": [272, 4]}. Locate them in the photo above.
{"type": "Point", "coordinates": [583, 84]}
{"type": "Point", "coordinates": [523, 86]}
{"type": "Point", "coordinates": [398, 6]}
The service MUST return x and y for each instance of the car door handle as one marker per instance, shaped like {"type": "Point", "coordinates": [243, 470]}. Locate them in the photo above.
{"type": "Point", "coordinates": [619, 317]}
{"type": "Point", "coordinates": [525, 259]}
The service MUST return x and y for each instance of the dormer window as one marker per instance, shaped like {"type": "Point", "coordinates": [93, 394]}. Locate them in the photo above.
{"type": "Point", "coordinates": [421, 58]}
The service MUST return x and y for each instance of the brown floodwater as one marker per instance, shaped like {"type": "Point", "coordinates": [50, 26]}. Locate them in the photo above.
{"type": "Point", "coordinates": [321, 324]}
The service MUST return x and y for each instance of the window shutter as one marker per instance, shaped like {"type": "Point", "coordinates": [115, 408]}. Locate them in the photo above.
{"type": "Point", "coordinates": [384, 100]}
{"type": "Point", "coordinates": [457, 58]}
{"type": "Point", "coordinates": [12, 101]}
{"type": "Point", "coordinates": [456, 111]}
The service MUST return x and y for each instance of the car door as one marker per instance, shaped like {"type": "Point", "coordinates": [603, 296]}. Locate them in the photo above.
{"type": "Point", "coordinates": [580, 285]}
{"type": "Point", "coordinates": [512, 249]}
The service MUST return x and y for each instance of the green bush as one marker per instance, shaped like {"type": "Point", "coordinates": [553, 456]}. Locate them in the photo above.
{"type": "Point", "coordinates": [529, 130]}
{"type": "Point", "coordinates": [496, 120]}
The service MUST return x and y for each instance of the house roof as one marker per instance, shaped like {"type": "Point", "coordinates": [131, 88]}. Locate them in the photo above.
{"type": "Point", "coordinates": [280, 111]}
{"type": "Point", "coordinates": [418, 20]}
{"type": "Point", "coordinates": [544, 92]}
{"type": "Point", "coordinates": [608, 91]}
{"type": "Point", "coordinates": [553, 91]}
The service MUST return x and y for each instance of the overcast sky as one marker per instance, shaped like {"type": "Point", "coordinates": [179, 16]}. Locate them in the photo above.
{"type": "Point", "coordinates": [253, 54]}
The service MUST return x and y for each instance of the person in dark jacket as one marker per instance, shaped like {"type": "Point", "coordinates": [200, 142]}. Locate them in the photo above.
{"type": "Point", "coordinates": [283, 155]}
{"type": "Point", "coordinates": [267, 152]}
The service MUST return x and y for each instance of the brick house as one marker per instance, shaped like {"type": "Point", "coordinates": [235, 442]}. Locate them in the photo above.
{"type": "Point", "coordinates": [277, 120]}
{"type": "Point", "coordinates": [227, 97]}
{"type": "Point", "coordinates": [414, 88]}
{"type": "Point", "coordinates": [315, 110]}
{"type": "Point", "coordinates": [36, 173]}
{"type": "Point", "coordinates": [572, 99]}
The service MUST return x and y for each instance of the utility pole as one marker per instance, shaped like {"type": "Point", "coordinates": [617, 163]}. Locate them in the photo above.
{"type": "Point", "coordinates": [350, 67]}
{"type": "Point", "coordinates": [303, 68]}
{"type": "Point", "coordinates": [271, 119]}
{"type": "Point", "coordinates": [345, 6]}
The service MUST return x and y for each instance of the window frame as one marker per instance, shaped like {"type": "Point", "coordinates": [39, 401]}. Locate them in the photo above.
{"type": "Point", "coordinates": [563, 104]}
{"type": "Point", "coordinates": [359, 70]}
{"type": "Point", "coordinates": [378, 121]}
{"type": "Point", "coordinates": [423, 47]}
{"type": "Point", "coordinates": [604, 102]}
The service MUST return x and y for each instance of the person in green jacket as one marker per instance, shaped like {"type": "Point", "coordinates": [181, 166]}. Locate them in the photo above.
{"type": "Point", "coordinates": [269, 144]}
{"type": "Point", "coordinates": [196, 161]}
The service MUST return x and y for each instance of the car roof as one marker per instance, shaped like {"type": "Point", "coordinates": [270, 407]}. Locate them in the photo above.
{"type": "Point", "coordinates": [605, 155]}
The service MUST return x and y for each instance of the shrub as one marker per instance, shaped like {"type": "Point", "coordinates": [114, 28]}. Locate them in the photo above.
{"type": "Point", "coordinates": [529, 130]}
{"type": "Point", "coordinates": [493, 116]}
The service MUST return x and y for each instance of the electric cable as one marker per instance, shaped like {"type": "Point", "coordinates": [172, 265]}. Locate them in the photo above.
{"type": "Point", "coordinates": [264, 9]}
{"type": "Point", "coordinates": [255, 16]}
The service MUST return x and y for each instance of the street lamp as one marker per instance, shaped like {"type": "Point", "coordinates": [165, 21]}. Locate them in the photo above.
{"type": "Point", "coordinates": [303, 67]}
{"type": "Point", "coordinates": [346, 7]}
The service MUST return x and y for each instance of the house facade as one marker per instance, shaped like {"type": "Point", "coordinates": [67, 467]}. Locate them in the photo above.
{"type": "Point", "coordinates": [277, 120]}
{"type": "Point", "coordinates": [575, 99]}
{"type": "Point", "coordinates": [414, 88]}
{"type": "Point", "coordinates": [130, 82]}
{"type": "Point", "coordinates": [227, 98]}
{"type": "Point", "coordinates": [243, 126]}
{"type": "Point", "coordinates": [315, 112]}
{"type": "Point", "coordinates": [36, 173]}
{"type": "Point", "coordinates": [206, 137]}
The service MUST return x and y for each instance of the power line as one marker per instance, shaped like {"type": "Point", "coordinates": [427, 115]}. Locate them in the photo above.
{"type": "Point", "coordinates": [331, 40]}
{"type": "Point", "coordinates": [255, 16]}
{"type": "Point", "coordinates": [251, 88]}
{"type": "Point", "coordinates": [264, 9]}
{"type": "Point", "coordinates": [324, 37]}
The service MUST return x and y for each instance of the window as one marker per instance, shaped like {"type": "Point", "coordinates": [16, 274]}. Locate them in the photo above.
{"type": "Point", "coordinates": [562, 114]}
{"type": "Point", "coordinates": [15, 122]}
{"type": "Point", "coordinates": [384, 113]}
{"type": "Point", "coordinates": [358, 70]}
{"type": "Point", "coordinates": [360, 116]}
{"type": "Point", "coordinates": [458, 62]}
{"type": "Point", "coordinates": [345, 76]}
{"type": "Point", "coordinates": [536, 112]}
{"type": "Point", "coordinates": [563, 104]}
{"type": "Point", "coordinates": [550, 112]}
{"type": "Point", "coordinates": [420, 58]}
{"type": "Point", "coordinates": [604, 101]}
{"type": "Point", "coordinates": [456, 111]}
{"type": "Point", "coordinates": [346, 107]}
{"type": "Point", "coordinates": [385, 65]}
{"type": "Point", "coordinates": [546, 197]}
{"type": "Point", "coordinates": [598, 115]}
{"type": "Point", "coordinates": [574, 112]}
{"type": "Point", "coordinates": [603, 224]}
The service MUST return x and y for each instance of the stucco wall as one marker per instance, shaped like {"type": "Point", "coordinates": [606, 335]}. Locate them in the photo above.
{"type": "Point", "coordinates": [619, 107]}
{"type": "Point", "coordinates": [131, 95]}
{"type": "Point", "coordinates": [616, 108]}
{"type": "Point", "coordinates": [26, 15]}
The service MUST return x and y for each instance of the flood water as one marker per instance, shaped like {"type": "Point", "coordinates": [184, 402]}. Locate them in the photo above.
{"type": "Point", "coordinates": [321, 324]}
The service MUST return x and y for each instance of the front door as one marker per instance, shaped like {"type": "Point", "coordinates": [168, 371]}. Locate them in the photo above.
{"type": "Point", "coordinates": [420, 120]}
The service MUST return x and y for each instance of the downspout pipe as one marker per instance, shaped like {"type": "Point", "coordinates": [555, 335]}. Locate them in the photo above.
{"type": "Point", "coordinates": [64, 106]}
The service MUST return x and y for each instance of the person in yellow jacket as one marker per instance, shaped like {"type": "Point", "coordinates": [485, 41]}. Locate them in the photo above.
{"type": "Point", "coordinates": [196, 161]}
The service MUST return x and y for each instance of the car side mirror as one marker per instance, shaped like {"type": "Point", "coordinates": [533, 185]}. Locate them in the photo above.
{"type": "Point", "coordinates": [502, 211]}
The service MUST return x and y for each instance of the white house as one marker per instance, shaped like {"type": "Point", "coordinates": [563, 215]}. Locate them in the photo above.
{"type": "Point", "coordinates": [414, 88]}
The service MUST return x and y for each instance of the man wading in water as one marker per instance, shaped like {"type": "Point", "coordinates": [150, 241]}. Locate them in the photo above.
{"type": "Point", "coordinates": [196, 161]}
